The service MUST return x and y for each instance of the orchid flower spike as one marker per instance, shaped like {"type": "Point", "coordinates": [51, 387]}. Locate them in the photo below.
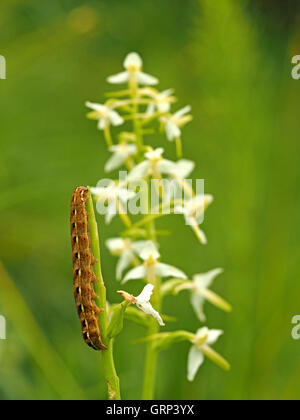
{"type": "Point", "coordinates": [133, 68]}
{"type": "Point", "coordinates": [200, 348]}
{"type": "Point", "coordinates": [105, 115]}
{"type": "Point", "coordinates": [151, 267]}
{"type": "Point", "coordinates": [142, 301]}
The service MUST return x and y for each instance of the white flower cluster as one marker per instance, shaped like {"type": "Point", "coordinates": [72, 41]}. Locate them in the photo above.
{"type": "Point", "coordinates": [148, 109]}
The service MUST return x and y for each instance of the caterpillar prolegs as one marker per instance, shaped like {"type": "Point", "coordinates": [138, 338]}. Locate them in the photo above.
{"type": "Point", "coordinates": [83, 273]}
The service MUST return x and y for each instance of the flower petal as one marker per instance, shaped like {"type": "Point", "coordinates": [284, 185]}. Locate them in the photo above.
{"type": "Point", "coordinates": [102, 123]}
{"type": "Point", "coordinates": [154, 154]}
{"type": "Point", "coordinates": [165, 270]}
{"type": "Point", "coordinates": [183, 168]}
{"type": "Point", "coordinates": [123, 263]}
{"type": "Point", "coordinates": [146, 293]}
{"type": "Point", "coordinates": [138, 246]}
{"type": "Point", "coordinates": [182, 111]}
{"type": "Point", "coordinates": [213, 336]}
{"type": "Point", "coordinates": [125, 194]}
{"type": "Point", "coordinates": [149, 310]}
{"type": "Point", "coordinates": [195, 360]}
{"type": "Point", "coordinates": [197, 302]}
{"type": "Point", "coordinates": [205, 280]}
{"type": "Point", "coordinates": [118, 78]}
{"type": "Point", "coordinates": [111, 212]}
{"type": "Point", "coordinates": [164, 107]}
{"type": "Point", "coordinates": [115, 245]}
{"type": "Point", "coordinates": [96, 107]}
{"type": "Point", "coordinates": [139, 272]}
{"type": "Point", "coordinates": [140, 171]}
{"type": "Point", "coordinates": [99, 192]}
{"type": "Point", "coordinates": [149, 250]}
{"type": "Point", "coordinates": [133, 59]}
{"type": "Point", "coordinates": [201, 334]}
{"type": "Point", "coordinates": [150, 109]}
{"type": "Point", "coordinates": [146, 79]}
{"type": "Point", "coordinates": [172, 130]}
{"type": "Point", "coordinates": [166, 166]}
{"type": "Point", "coordinates": [115, 118]}
{"type": "Point", "coordinates": [115, 161]}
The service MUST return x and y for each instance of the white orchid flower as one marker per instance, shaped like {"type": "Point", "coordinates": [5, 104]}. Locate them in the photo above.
{"type": "Point", "coordinates": [151, 267]}
{"type": "Point", "coordinates": [142, 301]}
{"type": "Point", "coordinates": [105, 115]}
{"type": "Point", "coordinates": [200, 292]}
{"type": "Point", "coordinates": [193, 211]}
{"type": "Point", "coordinates": [201, 347]}
{"type": "Point", "coordinates": [126, 250]}
{"type": "Point", "coordinates": [133, 67]}
{"type": "Point", "coordinates": [115, 197]}
{"type": "Point", "coordinates": [154, 165]}
{"type": "Point", "coordinates": [161, 100]}
{"type": "Point", "coordinates": [121, 152]}
{"type": "Point", "coordinates": [173, 123]}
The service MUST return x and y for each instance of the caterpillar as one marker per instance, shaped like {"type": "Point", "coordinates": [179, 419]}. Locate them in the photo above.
{"type": "Point", "coordinates": [83, 273]}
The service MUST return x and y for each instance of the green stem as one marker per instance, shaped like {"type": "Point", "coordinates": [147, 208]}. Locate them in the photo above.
{"type": "Point", "coordinates": [150, 365]}
{"type": "Point", "coordinates": [178, 147]}
{"type": "Point", "coordinates": [106, 355]}
{"type": "Point", "coordinates": [112, 379]}
{"type": "Point", "coordinates": [133, 86]}
{"type": "Point", "coordinates": [151, 353]}
{"type": "Point", "coordinates": [107, 135]}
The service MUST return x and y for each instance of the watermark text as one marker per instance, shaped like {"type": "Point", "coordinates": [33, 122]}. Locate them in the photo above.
{"type": "Point", "coordinates": [2, 67]}
{"type": "Point", "coordinates": [296, 68]}
{"type": "Point", "coordinates": [296, 329]}
{"type": "Point", "coordinates": [2, 328]}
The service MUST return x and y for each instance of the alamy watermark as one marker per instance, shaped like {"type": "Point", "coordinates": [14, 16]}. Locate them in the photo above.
{"type": "Point", "coordinates": [2, 328]}
{"type": "Point", "coordinates": [296, 329]}
{"type": "Point", "coordinates": [296, 68]}
{"type": "Point", "coordinates": [2, 67]}
{"type": "Point", "coordinates": [159, 196]}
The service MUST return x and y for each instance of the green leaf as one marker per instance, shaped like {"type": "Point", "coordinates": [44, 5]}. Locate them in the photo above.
{"type": "Point", "coordinates": [138, 317]}
{"type": "Point", "coordinates": [117, 320]}
{"type": "Point", "coordinates": [162, 341]}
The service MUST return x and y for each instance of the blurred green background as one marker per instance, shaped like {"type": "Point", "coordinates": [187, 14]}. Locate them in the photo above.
{"type": "Point", "coordinates": [231, 60]}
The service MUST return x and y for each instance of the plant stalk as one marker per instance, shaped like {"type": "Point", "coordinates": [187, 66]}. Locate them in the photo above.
{"type": "Point", "coordinates": [112, 379]}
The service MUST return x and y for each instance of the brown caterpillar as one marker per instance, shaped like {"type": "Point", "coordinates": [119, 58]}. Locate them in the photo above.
{"type": "Point", "coordinates": [83, 273]}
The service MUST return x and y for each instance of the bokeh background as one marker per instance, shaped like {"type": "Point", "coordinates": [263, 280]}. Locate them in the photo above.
{"type": "Point", "coordinates": [231, 60]}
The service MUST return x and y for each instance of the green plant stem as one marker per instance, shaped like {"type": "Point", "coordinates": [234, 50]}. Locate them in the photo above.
{"type": "Point", "coordinates": [150, 365]}
{"type": "Point", "coordinates": [151, 353]}
{"type": "Point", "coordinates": [178, 147]}
{"type": "Point", "coordinates": [133, 86]}
{"type": "Point", "coordinates": [111, 377]}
